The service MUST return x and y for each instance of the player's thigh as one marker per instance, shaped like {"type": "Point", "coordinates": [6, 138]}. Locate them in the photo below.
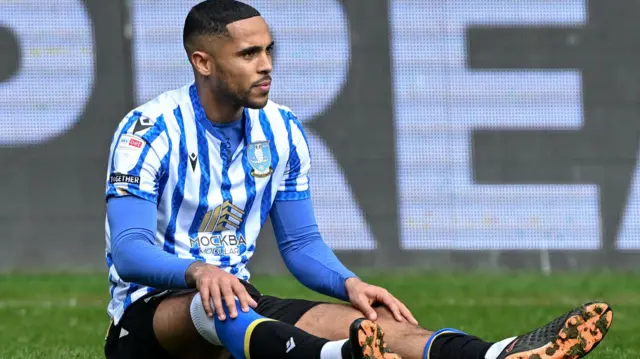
{"type": "Point", "coordinates": [329, 321]}
{"type": "Point", "coordinates": [159, 326]}
{"type": "Point", "coordinates": [133, 336]}
{"type": "Point", "coordinates": [287, 311]}
{"type": "Point", "coordinates": [176, 333]}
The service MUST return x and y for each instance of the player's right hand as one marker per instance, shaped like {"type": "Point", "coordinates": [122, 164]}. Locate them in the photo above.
{"type": "Point", "coordinates": [216, 285]}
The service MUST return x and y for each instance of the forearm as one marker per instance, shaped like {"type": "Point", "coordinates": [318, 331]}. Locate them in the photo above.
{"type": "Point", "coordinates": [317, 267]}
{"type": "Point", "coordinates": [135, 257]}
{"type": "Point", "coordinates": [306, 255]}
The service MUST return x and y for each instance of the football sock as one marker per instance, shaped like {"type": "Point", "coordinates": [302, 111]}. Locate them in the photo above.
{"type": "Point", "coordinates": [251, 335]}
{"type": "Point", "coordinates": [273, 339]}
{"type": "Point", "coordinates": [454, 344]}
{"type": "Point", "coordinates": [497, 348]}
{"type": "Point", "coordinates": [336, 349]}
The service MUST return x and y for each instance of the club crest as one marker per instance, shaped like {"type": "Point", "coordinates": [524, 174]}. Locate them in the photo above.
{"type": "Point", "coordinates": [259, 157]}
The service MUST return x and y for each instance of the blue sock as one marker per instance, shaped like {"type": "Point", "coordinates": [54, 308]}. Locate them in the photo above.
{"type": "Point", "coordinates": [251, 333]}
{"type": "Point", "coordinates": [234, 334]}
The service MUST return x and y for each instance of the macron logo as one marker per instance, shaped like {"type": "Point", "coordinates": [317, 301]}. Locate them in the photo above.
{"type": "Point", "coordinates": [290, 345]}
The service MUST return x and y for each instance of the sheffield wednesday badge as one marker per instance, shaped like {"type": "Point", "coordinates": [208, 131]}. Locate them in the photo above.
{"type": "Point", "coordinates": [259, 157]}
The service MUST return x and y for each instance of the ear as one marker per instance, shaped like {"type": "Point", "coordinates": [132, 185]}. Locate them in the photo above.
{"type": "Point", "coordinates": [202, 63]}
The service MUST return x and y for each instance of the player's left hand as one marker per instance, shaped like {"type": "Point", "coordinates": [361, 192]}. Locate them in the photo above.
{"type": "Point", "coordinates": [362, 296]}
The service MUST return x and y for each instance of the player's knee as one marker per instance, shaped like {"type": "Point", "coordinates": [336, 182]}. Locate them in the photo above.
{"type": "Point", "coordinates": [213, 329]}
{"type": "Point", "coordinates": [385, 315]}
{"type": "Point", "coordinates": [383, 312]}
{"type": "Point", "coordinates": [388, 320]}
{"type": "Point", "coordinates": [204, 325]}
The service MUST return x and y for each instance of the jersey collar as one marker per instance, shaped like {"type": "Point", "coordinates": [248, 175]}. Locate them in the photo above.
{"type": "Point", "coordinates": [201, 116]}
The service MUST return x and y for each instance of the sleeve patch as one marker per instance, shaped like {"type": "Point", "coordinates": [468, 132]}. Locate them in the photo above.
{"type": "Point", "coordinates": [127, 153]}
{"type": "Point", "coordinates": [123, 178]}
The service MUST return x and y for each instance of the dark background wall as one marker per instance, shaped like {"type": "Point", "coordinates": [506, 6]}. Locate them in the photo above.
{"type": "Point", "coordinates": [457, 134]}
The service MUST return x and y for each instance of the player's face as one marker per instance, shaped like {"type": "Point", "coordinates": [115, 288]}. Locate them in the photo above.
{"type": "Point", "coordinates": [243, 62]}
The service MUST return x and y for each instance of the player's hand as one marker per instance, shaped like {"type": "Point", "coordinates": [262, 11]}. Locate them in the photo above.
{"type": "Point", "coordinates": [216, 285]}
{"type": "Point", "coordinates": [363, 295]}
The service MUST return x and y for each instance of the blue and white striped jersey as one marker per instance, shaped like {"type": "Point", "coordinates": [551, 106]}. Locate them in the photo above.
{"type": "Point", "coordinates": [211, 203]}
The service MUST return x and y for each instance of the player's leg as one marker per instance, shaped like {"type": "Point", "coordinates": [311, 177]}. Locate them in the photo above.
{"type": "Point", "coordinates": [176, 333]}
{"type": "Point", "coordinates": [163, 327]}
{"type": "Point", "coordinates": [157, 327]}
{"type": "Point", "coordinates": [326, 321]}
{"type": "Point", "coordinates": [571, 335]}
{"type": "Point", "coordinates": [253, 335]}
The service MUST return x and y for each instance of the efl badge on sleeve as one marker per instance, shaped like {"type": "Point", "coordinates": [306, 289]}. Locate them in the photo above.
{"type": "Point", "coordinates": [259, 157]}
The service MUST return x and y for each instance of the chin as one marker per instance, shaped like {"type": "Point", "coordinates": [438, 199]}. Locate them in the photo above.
{"type": "Point", "coordinates": [257, 104]}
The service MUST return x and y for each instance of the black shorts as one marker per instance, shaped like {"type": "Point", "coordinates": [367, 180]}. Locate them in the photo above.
{"type": "Point", "coordinates": [137, 322]}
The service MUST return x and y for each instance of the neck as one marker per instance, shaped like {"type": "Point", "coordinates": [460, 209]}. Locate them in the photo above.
{"type": "Point", "coordinates": [217, 108]}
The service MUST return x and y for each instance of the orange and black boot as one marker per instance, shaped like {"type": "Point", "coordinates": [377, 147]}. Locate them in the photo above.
{"type": "Point", "coordinates": [570, 336]}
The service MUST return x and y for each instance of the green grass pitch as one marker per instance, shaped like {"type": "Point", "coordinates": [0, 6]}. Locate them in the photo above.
{"type": "Point", "coordinates": [56, 316]}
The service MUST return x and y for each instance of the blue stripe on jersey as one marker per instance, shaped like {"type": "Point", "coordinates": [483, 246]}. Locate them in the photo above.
{"type": "Point", "coordinates": [226, 182]}
{"type": "Point", "coordinates": [201, 118]}
{"type": "Point", "coordinates": [265, 206]}
{"type": "Point", "coordinates": [109, 260]}
{"type": "Point", "coordinates": [242, 248]}
{"type": "Point", "coordinates": [154, 132]}
{"type": "Point", "coordinates": [134, 117]}
{"type": "Point", "coordinates": [247, 126]}
{"type": "Point", "coordinates": [306, 140]}
{"type": "Point", "coordinates": [225, 188]}
{"type": "Point", "coordinates": [164, 169]}
{"type": "Point", "coordinates": [249, 185]}
{"type": "Point", "coordinates": [245, 258]}
{"type": "Point", "coordinates": [132, 289]}
{"type": "Point", "coordinates": [203, 205]}
{"type": "Point", "coordinates": [225, 261]}
{"type": "Point", "coordinates": [294, 160]}
{"type": "Point", "coordinates": [162, 176]}
{"type": "Point", "coordinates": [148, 137]}
{"type": "Point", "coordinates": [113, 283]}
{"type": "Point", "coordinates": [299, 125]}
{"type": "Point", "coordinates": [235, 270]}
{"type": "Point", "coordinates": [178, 192]}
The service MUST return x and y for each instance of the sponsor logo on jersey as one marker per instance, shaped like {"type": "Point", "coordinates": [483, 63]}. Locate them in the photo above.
{"type": "Point", "coordinates": [135, 143]}
{"type": "Point", "coordinates": [217, 234]}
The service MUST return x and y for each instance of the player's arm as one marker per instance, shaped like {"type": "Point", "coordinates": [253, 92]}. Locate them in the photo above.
{"type": "Point", "coordinates": [132, 222]}
{"type": "Point", "coordinates": [138, 164]}
{"type": "Point", "coordinates": [304, 252]}
{"type": "Point", "coordinates": [132, 194]}
{"type": "Point", "coordinates": [306, 255]}
{"type": "Point", "coordinates": [313, 263]}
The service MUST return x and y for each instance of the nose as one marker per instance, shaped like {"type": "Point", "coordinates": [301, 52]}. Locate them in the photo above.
{"type": "Point", "coordinates": [265, 65]}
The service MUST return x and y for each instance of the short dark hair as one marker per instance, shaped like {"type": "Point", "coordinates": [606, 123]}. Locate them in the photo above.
{"type": "Point", "coordinates": [211, 17]}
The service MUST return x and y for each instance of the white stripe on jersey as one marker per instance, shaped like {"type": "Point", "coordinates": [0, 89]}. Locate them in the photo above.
{"type": "Point", "coordinates": [225, 222]}
{"type": "Point", "coordinates": [278, 126]}
{"type": "Point", "coordinates": [302, 182]}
